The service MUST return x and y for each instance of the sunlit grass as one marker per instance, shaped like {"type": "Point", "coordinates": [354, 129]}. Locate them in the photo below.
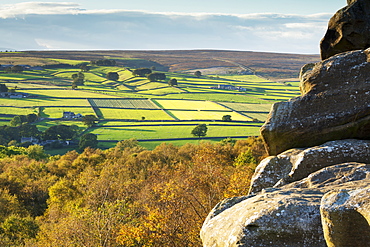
{"type": "Point", "coordinates": [57, 112]}
{"type": "Point", "coordinates": [190, 104]}
{"type": "Point", "coordinates": [134, 114]}
{"type": "Point", "coordinates": [36, 102]}
{"type": "Point", "coordinates": [170, 132]}
{"type": "Point", "coordinates": [17, 110]}
{"type": "Point", "coordinates": [67, 93]}
{"type": "Point", "coordinates": [208, 115]}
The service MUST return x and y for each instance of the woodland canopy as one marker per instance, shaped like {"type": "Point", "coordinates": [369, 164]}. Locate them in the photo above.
{"type": "Point", "coordinates": [122, 196]}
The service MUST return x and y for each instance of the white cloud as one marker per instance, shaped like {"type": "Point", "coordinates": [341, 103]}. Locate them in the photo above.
{"type": "Point", "coordinates": [65, 25]}
{"type": "Point", "coordinates": [39, 8]}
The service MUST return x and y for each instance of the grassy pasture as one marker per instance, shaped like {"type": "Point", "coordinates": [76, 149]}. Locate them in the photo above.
{"type": "Point", "coordinates": [259, 116]}
{"type": "Point", "coordinates": [66, 93]}
{"type": "Point", "coordinates": [150, 145]}
{"type": "Point", "coordinates": [218, 97]}
{"type": "Point", "coordinates": [247, 107]}
{"type": "Point", "coordinates": [161, 91]}
{"type": "Point", "coordinates": [69, 61]}
{"type": "Point", "coordinates": [94, 77]}
{"type": "Point", "coordinates": [169, 132]}
{"type": "Point", "coordinates": [122, 88]}
{"type": "Point", "coordinates": [249, 78]}
{"type": "Point", "coordinates": [124, 103]}
{"type": "Point", "coordinates": [124, 75]}
{"type": "Point", "coordinates": [190, 104]}
{"type": "Point", "coordinates": [208, 115]}
{"type": "Point", "coordinates": [134, 114]}
{"type": "Point", "coordinates": [19, 77]}
{"type": "Point", "coordinates": [17, 110]}
{"type": "Point", "coordinates": [32, 85]}
{"type": "Point", "coordinates": [164, 123]}
{"type": "Point", "coordinates": [64, 73]}
{"type": "Point", "coordinates": [151, 85]}
{"type": "Point", "coordinates": [37, 102]}
{"type": "Point", "coordinates": [193, 99]}
{"type": "Point", "coordinates": [32, 61]}
{"type": "Point", "coordinates": [57, 112]}
{"type": "Point", "coordinates": [43, 125]}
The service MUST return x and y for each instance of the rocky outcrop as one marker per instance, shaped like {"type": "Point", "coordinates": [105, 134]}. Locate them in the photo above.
{"type": "Point", "coordinates": [296, 164]}
{"type": "Point", "coordinates": [348, 29]}
{"type": "Point", "coordinates": [335, 104]}
{"type": "Point", "coordinates": [286, 216]}
{"type": "Point", "coordinates": [314, 189]}
{"type": "Point", "coordinates": [346, 217]}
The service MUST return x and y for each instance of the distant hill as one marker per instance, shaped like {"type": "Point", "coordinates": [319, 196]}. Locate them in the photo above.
{"type": "Point", "coordinates": [274, 66]}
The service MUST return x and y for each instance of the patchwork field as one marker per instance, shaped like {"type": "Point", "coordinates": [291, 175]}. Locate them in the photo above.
{"type": "Point", "coordinates": [134, 107]}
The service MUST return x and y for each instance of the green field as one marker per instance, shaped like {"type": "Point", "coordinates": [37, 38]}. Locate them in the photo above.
{"type": "Point", "coordinates": [134, 114]}
{"type": "Point", "coordinates": [208, 115]}
{"type": "Point", "coordinates": [134, 107]}
{"type": "Point", "coordinates": [190, 104]}
{"type": "Point", "coordinates": [169, 132]}
{"type": "Point", "coordinates": [57, 112]}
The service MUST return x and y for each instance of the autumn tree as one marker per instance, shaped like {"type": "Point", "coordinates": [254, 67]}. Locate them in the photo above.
{"type": "Point", "coordinates": [122, 196]}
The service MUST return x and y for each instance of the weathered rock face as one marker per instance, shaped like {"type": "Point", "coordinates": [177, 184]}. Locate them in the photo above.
{"type": "Point", "coordinates": [286, 216]}
{"type": "Point", "coordinates": [317, 188]}
{"type": "Point", "coordinates": [335, 104]}
{"type": "Point", "coordinates": [346, 217]}
{"type": "Point", "coordinates": [348, 29]}
{"type": "Point", "coordinates": [296, 164]}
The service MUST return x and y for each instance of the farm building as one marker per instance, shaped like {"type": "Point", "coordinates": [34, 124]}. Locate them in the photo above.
{"type": "Point", "coordinates": [229, 87]}
{"type": "Point", "coordinates": [71, 115]}
{"type": "Point", "coordinates": [31, 139]}
{"type": "Point", "coordinates": [13, 95]}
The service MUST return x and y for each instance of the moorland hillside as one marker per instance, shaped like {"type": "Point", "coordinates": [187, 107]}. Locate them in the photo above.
{"type": "Point", "coordinates": [270, 65]}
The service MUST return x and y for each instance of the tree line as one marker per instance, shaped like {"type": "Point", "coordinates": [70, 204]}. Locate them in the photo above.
{"type": "Point", "coordinates": [22, 126]}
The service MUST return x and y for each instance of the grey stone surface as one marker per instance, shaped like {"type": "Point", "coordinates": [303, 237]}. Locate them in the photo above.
{"type": "Point", "coordinates": [346, 217]}
{"type": "Point", "coordinates": [348, 29]}
{"type": "Point", "coordinates": [335, 104]}
{"type": "Point", "coordinates": [296, 164]}
{"type": "Point", "coordinates": [286, 216]}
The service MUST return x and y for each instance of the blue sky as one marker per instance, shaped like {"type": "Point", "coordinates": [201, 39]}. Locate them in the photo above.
{"type": "Point", "coordinates": [291, 26]}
